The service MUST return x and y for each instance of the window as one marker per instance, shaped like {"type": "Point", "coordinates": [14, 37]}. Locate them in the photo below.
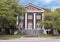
{"type": "Point", "coordinates": [29, 16]}
{"type": "Point", "coordinates": [21, 25]}
{"type": "Point", "coordinates": [22, 17]}
{"type": "Point", "coordinates": [30, 25]}
{"type": "Point", "coordinates": [38, 16]}
{"type": "Point", "coordinates": [37, 25]}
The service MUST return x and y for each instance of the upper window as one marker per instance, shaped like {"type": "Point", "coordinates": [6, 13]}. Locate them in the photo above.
{"type": "Point", "coordinates": [21, 17]}
{"type": "Point", "coordinates": [38, 16]}
{"type": "Point", "coordinates": [30, 15]}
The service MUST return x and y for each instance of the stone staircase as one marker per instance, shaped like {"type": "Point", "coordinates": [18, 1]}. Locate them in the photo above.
{"type": "Point", "coordinates": [30, 35]}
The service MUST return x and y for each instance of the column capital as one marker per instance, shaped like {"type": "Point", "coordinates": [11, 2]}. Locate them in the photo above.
{"type": "Point", "coordinates": [34, 13]}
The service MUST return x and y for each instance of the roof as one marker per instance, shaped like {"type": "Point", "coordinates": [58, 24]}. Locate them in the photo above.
{"type": "Point", "coordinates": [30, 4]}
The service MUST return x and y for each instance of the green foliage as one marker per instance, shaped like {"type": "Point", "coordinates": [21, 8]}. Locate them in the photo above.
{"type": "Point", "coordinates": [52, 19]}
{"type": "Point", "coordinates": [57, 19]}
{"type": "Point", "coordinates": [8, 10]}
{"type": "Point", "coordinates": [48, 18]}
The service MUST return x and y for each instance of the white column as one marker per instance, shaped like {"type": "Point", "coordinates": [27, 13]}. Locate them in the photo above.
{"type": "Point", "coordinates": [25, 20]}
{"type": "Point", "coordinates": [17, 20]}
{"type": "Point", "coordinates": [43, 25]}
{"type": "Point", "coordinates": [34, 20]}
{"type": "Point", "coordinates": [18, 23]}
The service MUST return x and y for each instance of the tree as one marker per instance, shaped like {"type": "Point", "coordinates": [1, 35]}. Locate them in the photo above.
{"type": "Point", "coordinates": [57, 19]}
{"type": "Point", "coordinates": [48, 19]}
{"type": "Point", "coordinates": [8, 10]}
{"type": "Point", "coordinates": [52, 19]}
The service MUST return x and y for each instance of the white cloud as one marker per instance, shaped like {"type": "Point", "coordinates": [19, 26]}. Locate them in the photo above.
{"type": "Point", "coordinates": [45, 1]}
{"type": "Point", "coordinates": [48, 1]}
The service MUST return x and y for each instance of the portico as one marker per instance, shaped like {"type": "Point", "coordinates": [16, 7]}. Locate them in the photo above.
{"type": "Point", "coordinates": [32, 18]}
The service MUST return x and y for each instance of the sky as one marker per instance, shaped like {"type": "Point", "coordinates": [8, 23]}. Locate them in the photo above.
{"type": "Point", "coordinates": [52, 4]}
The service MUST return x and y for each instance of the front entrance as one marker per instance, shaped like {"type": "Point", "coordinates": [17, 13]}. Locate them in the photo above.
{"type": "Point", "coordinates": [31, 32]}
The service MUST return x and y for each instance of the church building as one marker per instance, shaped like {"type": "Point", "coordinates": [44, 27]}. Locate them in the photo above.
{"type": "Point", "coordinates": [30, 22]}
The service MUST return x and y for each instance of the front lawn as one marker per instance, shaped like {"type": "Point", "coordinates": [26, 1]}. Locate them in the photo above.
{"type": "Point", "coordinates": [10, 36]}
{"type": "Point", "coordinates": [48, 36]}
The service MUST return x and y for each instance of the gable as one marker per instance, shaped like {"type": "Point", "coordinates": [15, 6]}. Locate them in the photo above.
{"type": "Point", "coordinates": [33, 8]}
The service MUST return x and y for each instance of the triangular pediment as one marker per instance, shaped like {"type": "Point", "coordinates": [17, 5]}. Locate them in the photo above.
{"type": "Point", "coordinates": [30, 6]}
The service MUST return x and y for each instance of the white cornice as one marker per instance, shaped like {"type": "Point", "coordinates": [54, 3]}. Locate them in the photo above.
{"type": "Point", "coordinates": [34, 11]}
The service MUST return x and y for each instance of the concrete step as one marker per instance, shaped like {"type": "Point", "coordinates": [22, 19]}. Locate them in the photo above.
{"type": "Point", "coordinates": [30, 35]}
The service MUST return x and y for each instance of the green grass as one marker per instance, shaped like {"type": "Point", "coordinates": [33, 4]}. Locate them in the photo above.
{"type": "Point", "coordinates": [44, 36]}
{"type": "Point", "coordinates": [19, 36]}
{"type": "Point", "coordinates": [10, 36]}
{"type": "Point", "coordinates": [48, 36]}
